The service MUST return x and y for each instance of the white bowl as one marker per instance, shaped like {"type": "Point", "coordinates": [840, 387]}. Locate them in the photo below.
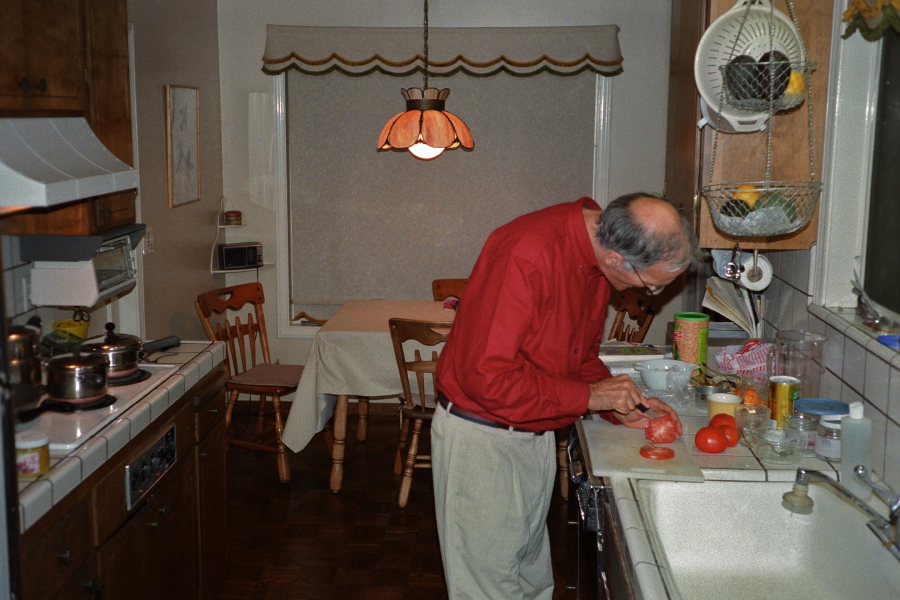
{"type": "Point", "coordinates": [655, 372]}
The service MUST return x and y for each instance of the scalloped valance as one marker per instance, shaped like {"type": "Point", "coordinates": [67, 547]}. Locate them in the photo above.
{"type": "Point", "coordinates": [473, 50]}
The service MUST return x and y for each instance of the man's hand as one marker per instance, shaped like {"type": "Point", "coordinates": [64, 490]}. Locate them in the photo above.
{"type": "Point", "coordinates": [621, 395]}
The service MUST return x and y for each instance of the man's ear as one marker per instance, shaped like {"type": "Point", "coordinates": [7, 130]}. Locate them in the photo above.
{"type": "Point", "coordinates": [613, 259]}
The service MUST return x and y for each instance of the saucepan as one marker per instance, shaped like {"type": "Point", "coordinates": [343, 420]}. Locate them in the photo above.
{"type": "Point", "coordinates": [124, 351]}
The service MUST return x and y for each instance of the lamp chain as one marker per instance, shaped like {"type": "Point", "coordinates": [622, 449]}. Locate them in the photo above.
{"type": "Point", "coordinates": [425, 86]}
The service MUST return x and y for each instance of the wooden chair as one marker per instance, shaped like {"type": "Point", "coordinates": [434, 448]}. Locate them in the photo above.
{"type": "Point", "coordinates": [249, 365]}
{"type": "Point", "coordinates": [634, 313]}
{"type": "Point", "coordinates": [444, 288]}
{"type": "Point", "coordinates": [417, 405]}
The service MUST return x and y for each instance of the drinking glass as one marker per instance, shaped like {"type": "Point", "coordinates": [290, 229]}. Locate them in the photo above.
{"type": "Point", "coordinates": [750, 417]}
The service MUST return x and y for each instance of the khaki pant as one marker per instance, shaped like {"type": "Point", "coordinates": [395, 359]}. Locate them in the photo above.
{"type": "Point", "coordinates": [492, 491]}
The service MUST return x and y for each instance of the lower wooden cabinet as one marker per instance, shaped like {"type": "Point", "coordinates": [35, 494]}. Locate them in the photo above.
{"type": "Point", "coordinates": [172, 543]}
{"type": "Point", "coordinates": [154, 556]}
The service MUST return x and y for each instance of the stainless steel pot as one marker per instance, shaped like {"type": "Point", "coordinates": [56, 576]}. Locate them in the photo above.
{"type": "Point", "coordinates": [125, 351]}
{"type": "Point", "coordinates": [22, 351]}
{"type": "Point", "coordinates": [77, 378]}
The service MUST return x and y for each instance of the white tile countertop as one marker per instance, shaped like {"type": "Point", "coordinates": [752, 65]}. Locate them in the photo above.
{"type": "Point", "coordinates": [190, 362]}
{"type": "Point", "coordinates": [738, 463]}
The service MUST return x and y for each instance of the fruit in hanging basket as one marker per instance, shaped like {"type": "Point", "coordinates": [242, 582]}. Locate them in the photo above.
{"type": "Point", "coordinates": [774, 73]}
{"type": "Point", "coordinates": [747, 193]}
{"type": "Point", "coordinates": [742, 79]}
{"type": "Point", "coordinates": [773, 199]}
{"type": "Point", "coordinates": [796, 84]}
{"type": "Point", "coordinates": [735, 208]}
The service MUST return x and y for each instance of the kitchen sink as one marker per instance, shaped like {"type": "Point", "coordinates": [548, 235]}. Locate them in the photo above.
{"type": "Point", "coordinates": [733, 540]}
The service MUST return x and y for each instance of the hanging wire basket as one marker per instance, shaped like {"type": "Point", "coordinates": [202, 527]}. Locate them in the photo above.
{"type": "Point", "coordinates": [764, 86]}
{"type": "Point", "coordinates": [762, 209]}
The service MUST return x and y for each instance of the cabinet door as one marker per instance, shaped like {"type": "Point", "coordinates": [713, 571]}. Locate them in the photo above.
{"type": "Point", "coordinates": [44, 54]}
{"type": "Point", "coordinates": [56, 556]}
{"type": "Point", "coordinates": [741, 157]}
{"type": "Point", "coordinates": [154, 555]}
{"type": "Point", "coordinates": [212, 513]}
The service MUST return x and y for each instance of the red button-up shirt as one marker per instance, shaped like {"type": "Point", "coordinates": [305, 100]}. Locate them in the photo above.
{"type": "Point", "coordinates": [524, 342]}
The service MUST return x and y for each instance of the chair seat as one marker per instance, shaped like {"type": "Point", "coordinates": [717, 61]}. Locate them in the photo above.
{"type": "Point", "coordinates": [270, 375]}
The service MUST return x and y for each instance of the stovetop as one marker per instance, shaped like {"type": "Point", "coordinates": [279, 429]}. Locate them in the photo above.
{"type": "Point", "coordinates": [68, 431]}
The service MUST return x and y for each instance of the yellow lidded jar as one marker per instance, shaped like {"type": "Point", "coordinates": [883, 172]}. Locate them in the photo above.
{"type": "Point", "coordinates": [32, 454]}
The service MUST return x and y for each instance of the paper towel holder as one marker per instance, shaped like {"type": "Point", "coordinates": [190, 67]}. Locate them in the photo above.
{"type": "Point", "coordinates": [755, 273]}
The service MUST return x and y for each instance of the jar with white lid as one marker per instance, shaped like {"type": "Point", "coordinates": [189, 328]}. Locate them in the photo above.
{"type": "Point", "coordinates": [32, 454]}
{"type": "Point", "coordinates": [828, 439]}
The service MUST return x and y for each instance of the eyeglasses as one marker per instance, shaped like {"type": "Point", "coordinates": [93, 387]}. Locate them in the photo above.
{"type": "Point", "coordinates": [652, 290]}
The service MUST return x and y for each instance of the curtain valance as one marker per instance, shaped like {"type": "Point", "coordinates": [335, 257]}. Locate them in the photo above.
{"type": "Point", "coordinates": [474, 50]}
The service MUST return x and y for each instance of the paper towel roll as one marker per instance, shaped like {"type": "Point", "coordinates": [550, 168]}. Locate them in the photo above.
{"type": "Point", "coordinates": [755, 281]}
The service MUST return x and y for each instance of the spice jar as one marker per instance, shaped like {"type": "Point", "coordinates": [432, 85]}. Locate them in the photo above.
{"type": "Point", "coordinates": [32, 454]}
{"type": "Point", "coordinates": [828, 438]}
{"type": "Point", "coordinates": [806, 424]}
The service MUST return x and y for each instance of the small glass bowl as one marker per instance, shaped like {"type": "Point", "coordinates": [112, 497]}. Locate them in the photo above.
{"type": "Point", "coordinates": [777, 446]}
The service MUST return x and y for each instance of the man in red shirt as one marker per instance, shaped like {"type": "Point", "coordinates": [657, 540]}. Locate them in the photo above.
{"type": "Point", "coordinates": [522, 360]}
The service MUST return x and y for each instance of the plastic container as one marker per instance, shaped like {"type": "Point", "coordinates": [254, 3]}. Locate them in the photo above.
{"type": "Point", "coordinates": [32, 454]}
{"type": "Point", "coordinates": [828, 438]}
{"type": "Point", "coordinates": [821, 407]}
{"type": "Point", "coordinates": [856, 449]}
{"type": "Point", "coordinates": [806, 425]}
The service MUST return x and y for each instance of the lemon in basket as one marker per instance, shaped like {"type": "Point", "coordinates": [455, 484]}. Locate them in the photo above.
{"type": "Point", "coordinates": [795, 85]}
{"type": "Point", "coordinates": [747, 193]}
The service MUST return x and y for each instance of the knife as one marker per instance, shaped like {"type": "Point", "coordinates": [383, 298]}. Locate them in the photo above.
{"type": "Point", "coordinates": [646, 411]}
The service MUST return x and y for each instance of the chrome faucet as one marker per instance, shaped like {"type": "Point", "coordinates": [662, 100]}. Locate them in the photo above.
{"type": "Point", "coordinates": [887, 530]}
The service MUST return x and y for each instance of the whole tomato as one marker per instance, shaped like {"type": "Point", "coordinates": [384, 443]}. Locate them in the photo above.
{"type": "Point", "coordinates": [662, 430]}
{"type": "Point", "coordinates": [731, 434]}
{"type": "Point", "coordinates": [722, 419]}
{"type": "Point", "coordinates": [712, 440]}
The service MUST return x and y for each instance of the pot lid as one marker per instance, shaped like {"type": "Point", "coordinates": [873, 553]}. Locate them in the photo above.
{"type": "Point", "coordinates": [114, 342]}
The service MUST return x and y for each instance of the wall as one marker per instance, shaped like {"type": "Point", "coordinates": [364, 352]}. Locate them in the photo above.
{"type": "Point", "coordinates": [176, 43]}
{"type": "Point", "coordinates": [639, 97]}
{"type": "Point", "coordinates": [856, 366]}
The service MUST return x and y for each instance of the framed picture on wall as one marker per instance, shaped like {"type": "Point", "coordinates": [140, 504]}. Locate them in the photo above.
{"type": "Point", "coordinates": [183, 144]}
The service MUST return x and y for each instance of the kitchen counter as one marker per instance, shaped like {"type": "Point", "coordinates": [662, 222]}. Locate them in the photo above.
{"type": "Point", "coordinates": [188, 363]}
{"type": "Point", "coordinates": [735, 464]}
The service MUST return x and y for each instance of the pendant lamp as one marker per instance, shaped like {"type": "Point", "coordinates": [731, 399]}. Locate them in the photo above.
{"type": "Point", "coordinates": [425, 128]}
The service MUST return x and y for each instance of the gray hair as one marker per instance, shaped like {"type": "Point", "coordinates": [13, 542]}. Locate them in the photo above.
{"type": "Point", "coordinates": [620, 231]}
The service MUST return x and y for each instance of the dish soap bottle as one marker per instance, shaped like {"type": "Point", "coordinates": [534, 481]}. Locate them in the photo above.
{"type": "Point", "coordinates": [856, 449]}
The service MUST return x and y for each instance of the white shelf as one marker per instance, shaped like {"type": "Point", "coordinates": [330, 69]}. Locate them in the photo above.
{"type": "Point", "coordinates": [232, 226]}
{"type": "Point", "coordinates": [262, 266]}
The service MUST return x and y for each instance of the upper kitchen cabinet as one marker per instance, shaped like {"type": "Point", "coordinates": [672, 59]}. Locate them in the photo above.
{"type": "Point", "coordinates": [700, 156]}
{"type": "Point", "coordinates": [83, 40]}
{"type": "Point", "coordinates": [44, 52]}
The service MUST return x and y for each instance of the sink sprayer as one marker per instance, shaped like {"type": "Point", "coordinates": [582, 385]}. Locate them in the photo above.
{"type": "Point", "coordinates": [887, 530]}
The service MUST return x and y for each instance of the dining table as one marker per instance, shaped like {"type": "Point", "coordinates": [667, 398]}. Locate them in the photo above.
{"type": "Point", "coordinates": [351, 356]}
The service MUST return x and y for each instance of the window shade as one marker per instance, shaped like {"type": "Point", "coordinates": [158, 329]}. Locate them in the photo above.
{"type": "Point", "coordinates": [473, 50]}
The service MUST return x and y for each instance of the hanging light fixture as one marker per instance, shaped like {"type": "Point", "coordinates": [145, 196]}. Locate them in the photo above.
{"type": "Point", "coordinates": [425, 128]}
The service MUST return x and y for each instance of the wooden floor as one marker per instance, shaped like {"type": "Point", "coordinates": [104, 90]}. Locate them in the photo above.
{"type": "Point", "coordinates": [298, 540]}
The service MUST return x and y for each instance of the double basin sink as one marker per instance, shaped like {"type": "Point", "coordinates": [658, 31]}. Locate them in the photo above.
{"type": "Point", "coordinates": [733, 540]}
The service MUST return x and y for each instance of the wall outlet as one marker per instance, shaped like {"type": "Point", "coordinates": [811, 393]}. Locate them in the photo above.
{"type": "Point", "coordinates": [148, 242]}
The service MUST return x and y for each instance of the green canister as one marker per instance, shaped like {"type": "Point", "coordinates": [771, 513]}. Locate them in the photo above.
{"type": "Point", "coordinates": [690, 337]}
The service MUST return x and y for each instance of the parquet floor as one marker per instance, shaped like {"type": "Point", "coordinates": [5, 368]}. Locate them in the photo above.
{"type": "Point", "coordinates": [300, 541]}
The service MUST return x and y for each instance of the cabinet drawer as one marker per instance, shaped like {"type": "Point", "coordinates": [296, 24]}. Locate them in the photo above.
{"type": "Point", "coordinates": [57, 554]}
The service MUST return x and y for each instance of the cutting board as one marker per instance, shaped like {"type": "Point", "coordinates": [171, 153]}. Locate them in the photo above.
{"type": "Point", "coordinates": [614, 451]}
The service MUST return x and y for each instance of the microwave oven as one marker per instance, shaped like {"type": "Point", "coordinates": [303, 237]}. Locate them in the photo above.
{"type": "Point", "coordinates": [242, 255]}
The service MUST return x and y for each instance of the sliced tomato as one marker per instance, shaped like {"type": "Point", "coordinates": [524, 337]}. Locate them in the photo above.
{"type": "Point", "coordinates": [662, 430]}
{"type": "Point", "coordinates": [657, 452]}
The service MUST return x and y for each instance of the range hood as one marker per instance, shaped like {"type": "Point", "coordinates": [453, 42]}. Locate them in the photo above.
{"type": "Point", "coordinates": [49, 161]}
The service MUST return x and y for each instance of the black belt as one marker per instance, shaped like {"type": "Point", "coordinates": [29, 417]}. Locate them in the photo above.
{"type": "Point", "coordinates": [470, 416]}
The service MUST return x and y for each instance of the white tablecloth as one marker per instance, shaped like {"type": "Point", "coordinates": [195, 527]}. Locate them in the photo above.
{"type": "Point", "coordinates": [351, 355]}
